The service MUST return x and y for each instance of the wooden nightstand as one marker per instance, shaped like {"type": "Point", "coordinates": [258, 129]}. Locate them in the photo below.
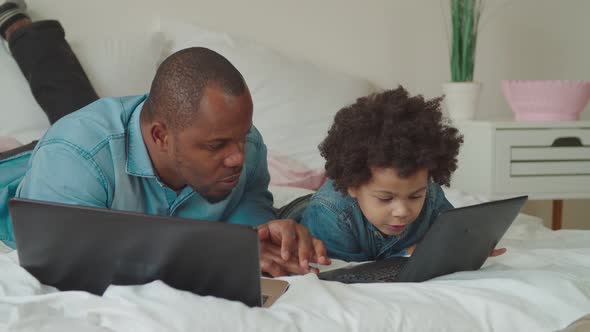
{"type": "Point", "coordinates": [545, 160]}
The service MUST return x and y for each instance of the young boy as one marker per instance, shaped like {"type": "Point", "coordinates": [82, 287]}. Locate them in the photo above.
{"type": "Point", "coordinates": [387, 156]}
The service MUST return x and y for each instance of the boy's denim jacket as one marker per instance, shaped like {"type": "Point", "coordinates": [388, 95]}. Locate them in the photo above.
{"type": "Point", "coordinates": [337, 220]}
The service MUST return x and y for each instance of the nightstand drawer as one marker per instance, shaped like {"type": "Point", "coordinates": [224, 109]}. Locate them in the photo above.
{"type": "Point", "coordinates": [549, 153]}
{"type": "Point", "coordinates": [570, 168]}
{"type": "Point", "coordinates": [542, 161]}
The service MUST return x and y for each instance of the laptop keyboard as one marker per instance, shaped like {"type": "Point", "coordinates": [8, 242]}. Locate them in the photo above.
{"type": "Point", "coordinates": [365, 274]}
{"type": "Point", "coordinates": [382, 275]}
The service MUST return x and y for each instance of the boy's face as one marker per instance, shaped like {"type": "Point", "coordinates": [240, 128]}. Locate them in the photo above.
{"type": "Point", "coordinates": [390, 202]}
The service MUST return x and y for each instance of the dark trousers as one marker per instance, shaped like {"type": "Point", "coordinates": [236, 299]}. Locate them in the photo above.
{"type": "Point", "coordinates": [55, 76]}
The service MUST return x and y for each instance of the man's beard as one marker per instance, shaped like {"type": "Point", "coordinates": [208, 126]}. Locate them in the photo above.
{"type": "Point", "coordinates": [211, 198]}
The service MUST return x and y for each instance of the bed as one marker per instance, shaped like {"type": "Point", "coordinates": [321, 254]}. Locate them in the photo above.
{"type": "Point", "coordinates": [541, 284]}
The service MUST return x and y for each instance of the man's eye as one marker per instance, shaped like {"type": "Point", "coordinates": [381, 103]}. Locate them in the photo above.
{"type": "Point", "coordinates": [214, 147]}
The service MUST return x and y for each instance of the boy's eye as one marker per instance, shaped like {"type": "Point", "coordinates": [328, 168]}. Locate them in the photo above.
{"type": "Point", "coordinates": [384, 199]}
{"type": "Point", "coordinates": [415, 197]}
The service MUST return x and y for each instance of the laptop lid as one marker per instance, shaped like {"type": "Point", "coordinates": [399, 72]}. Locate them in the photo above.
{"type": "Point", "coordinates": [461, 239]}
{"type": "Point", "coordinates": [81, 248]}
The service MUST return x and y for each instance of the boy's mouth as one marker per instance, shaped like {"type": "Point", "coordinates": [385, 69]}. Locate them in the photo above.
{"type": "Point", "coordinates": [397, 228]}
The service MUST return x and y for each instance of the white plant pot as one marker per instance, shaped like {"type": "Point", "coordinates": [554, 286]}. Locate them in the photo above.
{"type": "Point", "coordinates": [462, 99]}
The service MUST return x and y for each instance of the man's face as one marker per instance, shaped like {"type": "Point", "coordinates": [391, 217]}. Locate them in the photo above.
{"type": "Point", "coordinates": [391, 202]}
{"type": "Point", "coordinates": [209, 154]}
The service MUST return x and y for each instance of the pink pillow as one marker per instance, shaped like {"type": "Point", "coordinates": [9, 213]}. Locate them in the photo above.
{"type": "Point", "coordinates": [8, 143]}
{"type": "Point", "coordinates": [287, 172]}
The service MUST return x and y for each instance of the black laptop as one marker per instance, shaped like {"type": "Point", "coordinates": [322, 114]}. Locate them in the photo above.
{"type": "Point", "coordinates": [80, 248]}
{"type": "Point", "coordinates": [460, 239]}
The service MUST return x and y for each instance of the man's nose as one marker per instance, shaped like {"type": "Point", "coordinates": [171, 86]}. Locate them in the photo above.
{"type": "Point", "coordinates": [236, 157]}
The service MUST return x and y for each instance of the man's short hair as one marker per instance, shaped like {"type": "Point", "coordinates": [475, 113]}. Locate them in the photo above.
{"type": "Point", "coordinates": [180, 82]}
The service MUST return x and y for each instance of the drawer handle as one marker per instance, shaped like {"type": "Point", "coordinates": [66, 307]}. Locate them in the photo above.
{"type": "Point", "coordinates": [567, 141]}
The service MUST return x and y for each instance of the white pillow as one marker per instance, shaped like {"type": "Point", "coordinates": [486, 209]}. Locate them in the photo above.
{"type": "Point", "coordinates": [285, 195]}
{"type": "Point", "coordinates": [19, 112]}
{"type": "Point", "coordinates": [294, 101]}
{"type": "Point", "coordinates": [119, 64]}
{"type": "Point", "coordinates": [116, 64]}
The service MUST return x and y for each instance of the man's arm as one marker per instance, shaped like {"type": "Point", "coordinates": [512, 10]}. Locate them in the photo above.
{"type": "Point", "coordinates": [60, 173]}
{"type": "Point", "coordinates": [285, 246]}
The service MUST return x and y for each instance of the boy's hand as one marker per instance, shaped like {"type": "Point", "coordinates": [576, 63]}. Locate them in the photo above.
{"type": "Point", "coordinates": [287, 247]}
{"type": "Point", "coordinates": [497, 252]}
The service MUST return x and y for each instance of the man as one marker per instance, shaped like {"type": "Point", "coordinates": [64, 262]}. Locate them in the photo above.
{"type": "Point", "coordinates": [188, 149]}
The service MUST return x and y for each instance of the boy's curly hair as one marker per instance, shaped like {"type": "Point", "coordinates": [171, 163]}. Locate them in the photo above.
{"type": "Point", "coordinates": [390, 129]}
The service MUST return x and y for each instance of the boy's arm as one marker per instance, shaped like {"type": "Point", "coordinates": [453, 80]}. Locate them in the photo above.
{"type": "Point", "coordinates": [337, 234]}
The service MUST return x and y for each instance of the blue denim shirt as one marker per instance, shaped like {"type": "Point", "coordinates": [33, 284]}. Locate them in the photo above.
{"type": "Point", "coordinates": [348, 235]}
{"type": "Point", "coordinates": [96, 157]}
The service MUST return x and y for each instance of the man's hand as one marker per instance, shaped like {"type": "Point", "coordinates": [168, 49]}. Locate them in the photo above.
{"type": "Point", "coordinates": [272, 263]}
{"type": "Point", "coordinates": [286, 247]}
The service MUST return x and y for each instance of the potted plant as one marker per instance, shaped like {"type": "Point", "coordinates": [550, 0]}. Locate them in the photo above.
{"type": "Point", "coordinates": [462, 93]}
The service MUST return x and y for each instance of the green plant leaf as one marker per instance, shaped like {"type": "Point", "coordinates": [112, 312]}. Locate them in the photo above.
{"type": "Point", "coordinates": [465, 16]}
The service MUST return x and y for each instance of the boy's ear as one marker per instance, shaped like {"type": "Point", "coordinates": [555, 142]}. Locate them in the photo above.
{"type": "Point", "coordinates": [352, 192]}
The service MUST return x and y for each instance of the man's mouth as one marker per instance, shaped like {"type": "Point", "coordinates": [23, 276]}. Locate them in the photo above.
{"type": "Point", "coordinates": [231, 180]}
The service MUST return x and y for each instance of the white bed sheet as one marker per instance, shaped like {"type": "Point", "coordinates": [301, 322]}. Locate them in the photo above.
{"type": "Point", "coordinates": [541, 284]}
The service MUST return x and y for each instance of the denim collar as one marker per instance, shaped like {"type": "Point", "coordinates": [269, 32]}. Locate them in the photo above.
{"type": "Point", "coordinates": [138, 159]}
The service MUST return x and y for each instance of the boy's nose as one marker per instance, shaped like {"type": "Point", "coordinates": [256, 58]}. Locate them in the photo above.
{"type": "Point", "coordinates": [400, 211]}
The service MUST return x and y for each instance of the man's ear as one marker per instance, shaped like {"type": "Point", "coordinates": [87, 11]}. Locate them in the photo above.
{"type": "Point", "coordinates": [159, 134]}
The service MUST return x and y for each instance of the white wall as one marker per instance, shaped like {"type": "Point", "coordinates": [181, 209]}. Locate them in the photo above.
{"type": "Point", "coordinates": [387, 41]}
